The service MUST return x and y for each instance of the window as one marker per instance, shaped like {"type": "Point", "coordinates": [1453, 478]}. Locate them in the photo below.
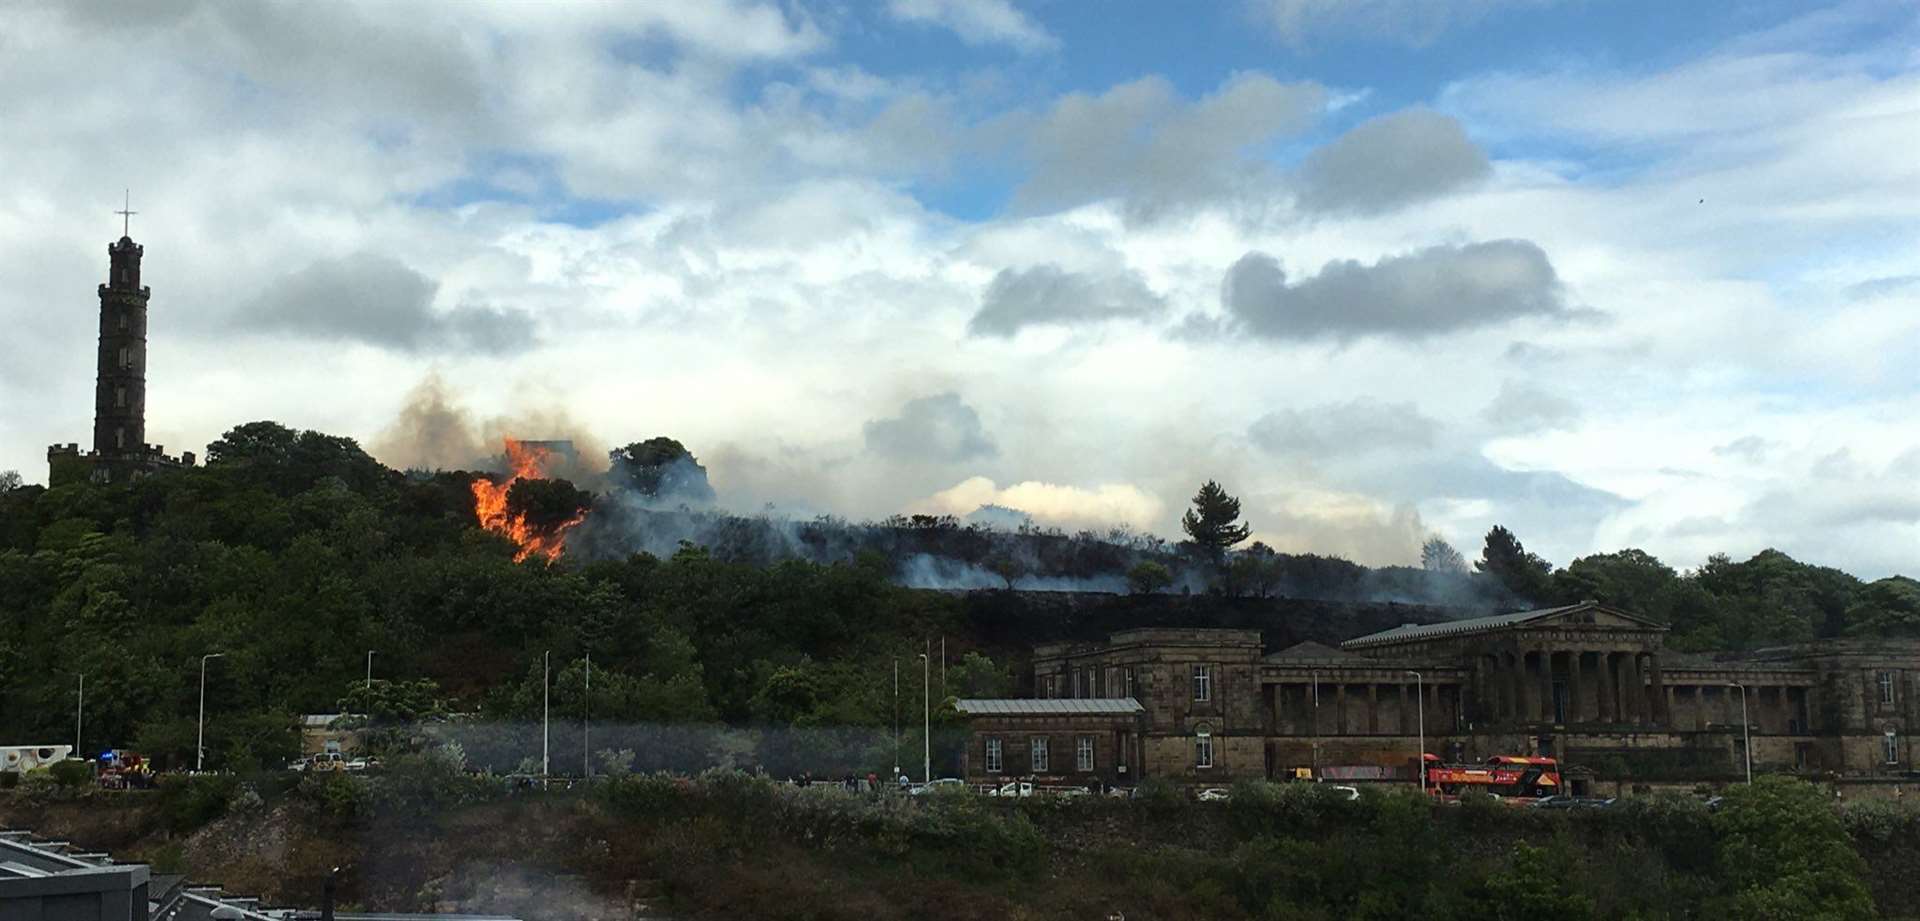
{"type": "Point", "coordinates": [1203, 748]}
{"type": "Point", "coordinates": [1133, 690]}
{"type": "Point", "coordinates": [1039, 750]}
{"type": "Point", "coordinates": [1886, 688]}
{"type": "Point", "coordinates": [1113, 683]}
{"type": "Point", "coordinates": [1203, 682]}
{"type": "Point", "coordinates": [123, 319]}
{"type": "Point", "coordinates": [1083, 754]}
{"type": "Point", "coordinates": [994, 765]}
{"type": "Point", "coordinates": [1049, 687]}
{"type": "Point", "coordinates": [1891, 743]}
{"type": "Point", "coordinates": [126, 359]}
{"type": "Point", "coordinates": [119, 396]}
{"type": "Point", "coordinates": [1079, 682]}
{"type": "Point", "coordinates": [119, 438]}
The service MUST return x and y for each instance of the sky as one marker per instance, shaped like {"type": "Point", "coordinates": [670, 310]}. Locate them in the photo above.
{"type": "Point", "coordinates": [1612, 274]}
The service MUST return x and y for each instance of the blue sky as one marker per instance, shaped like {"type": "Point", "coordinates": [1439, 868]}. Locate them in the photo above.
{"type": "Point", "coordinates": [1611, 274]}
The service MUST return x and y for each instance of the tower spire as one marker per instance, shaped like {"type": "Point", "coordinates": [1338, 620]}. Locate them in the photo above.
{"type": "Point", "coordinates": [126, 215]}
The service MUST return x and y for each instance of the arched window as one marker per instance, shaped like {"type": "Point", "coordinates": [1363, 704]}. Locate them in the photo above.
{"type": "Point", "coordinates": [1891, 743]}
{"type": "Point", "coordinates": [1203, 747]}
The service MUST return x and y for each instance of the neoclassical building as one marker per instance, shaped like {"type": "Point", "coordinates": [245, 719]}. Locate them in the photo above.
{"type": "Point", "coordinates": [1587, 683]}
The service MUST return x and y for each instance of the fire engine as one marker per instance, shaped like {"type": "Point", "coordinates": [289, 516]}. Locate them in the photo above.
{"type": "Point", "coordinates": [1507, 776]}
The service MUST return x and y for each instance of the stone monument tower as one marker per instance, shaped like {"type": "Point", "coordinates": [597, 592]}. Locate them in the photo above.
{"type": "Point", "coordinates": [120, 450]}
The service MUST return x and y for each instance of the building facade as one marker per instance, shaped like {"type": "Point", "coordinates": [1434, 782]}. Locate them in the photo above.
{"type": "Point", "coordinates": [1586, 683]}
{"type": "Point", "coordinates": [120, 451]}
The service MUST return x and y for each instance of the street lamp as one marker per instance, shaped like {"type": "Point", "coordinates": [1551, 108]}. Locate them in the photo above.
{"type": "Point", "coordinates": [896, 718]}
{"type": "Point", "coordinates": [546, 701]}
{"type": "Point", "coordinates": [1420, 693]}
{"type": "Point", "coordinates": [200, 747]}
{"type": "Point", "coordinates": [1314, 676]}
{"type": "Point", "coordinates": [586, 723]}
{"type": "Point", "coordinates": [1746, 729]}
{"type": "Point", "coordinates": [926, 726]}
{"type": "Point", "coordinates": [79, 707]}
{"type": "Point", "coordinates": [369, 673]}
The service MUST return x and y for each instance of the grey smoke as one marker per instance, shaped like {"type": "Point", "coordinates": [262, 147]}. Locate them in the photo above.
{"type": "Point", "coordinates": [1390, 162]}
{"type": "Point", "coordinates": [380, 301]}
{"type": "Point", "coordinates": [939, 427]}
{"type": "Point", "coordinates": [1050, 295]}
{"type": "Point", "coordinates": [1431, 292]}
{"type": "Point", "coordinates": [1343, 428]}
{"type": "Point", "coordinates": [1524, 407]}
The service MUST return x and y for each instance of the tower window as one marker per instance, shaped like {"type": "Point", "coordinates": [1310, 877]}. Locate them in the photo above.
{"type": "Point", "coordinates": [123, 320]}
{"type": "Point", "coordinates": [119, 438]}
{"type": "Point", "coordinates": [126, 357]}
{"type": "Point", "coordinates": [120, 396]}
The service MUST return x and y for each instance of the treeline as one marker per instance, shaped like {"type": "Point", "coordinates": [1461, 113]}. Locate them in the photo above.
{"type": "Point", "coordinates": [279, 566]}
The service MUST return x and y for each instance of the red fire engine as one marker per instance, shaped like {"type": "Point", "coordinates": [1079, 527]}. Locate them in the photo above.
{"type": "Point", "coordinates": [1510, 776]}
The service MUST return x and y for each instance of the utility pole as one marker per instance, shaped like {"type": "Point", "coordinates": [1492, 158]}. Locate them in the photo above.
{"type": "Point", "coordinates": [200, 747]}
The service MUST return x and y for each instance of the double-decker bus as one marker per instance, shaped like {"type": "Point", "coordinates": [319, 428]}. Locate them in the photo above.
{"type": "Point", "coordinates": [1508, 776]}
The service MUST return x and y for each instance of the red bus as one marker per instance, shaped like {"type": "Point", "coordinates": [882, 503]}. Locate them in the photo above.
{"type": "Point", "coordinates": [1508, 776]}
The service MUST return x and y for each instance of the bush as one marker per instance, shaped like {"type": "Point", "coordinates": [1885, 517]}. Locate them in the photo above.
{"type": "Point", "coordinates": [72, 773]}
{"type": "Point", "coordinates": [342, 796]}
{"type": "Point", "coordinates": [189, 802]}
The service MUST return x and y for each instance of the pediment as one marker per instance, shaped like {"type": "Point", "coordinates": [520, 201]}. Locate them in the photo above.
{"type": "Point", "coordinates": [1597, 616]}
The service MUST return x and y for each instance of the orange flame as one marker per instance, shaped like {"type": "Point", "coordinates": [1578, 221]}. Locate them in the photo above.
{"type": "Point", "coordinates": [490, 505]}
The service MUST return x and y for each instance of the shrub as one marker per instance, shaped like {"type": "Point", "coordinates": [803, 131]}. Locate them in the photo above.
{"type": "Point", "coordinates": [72, 773]}
{"type": "Point", "coordinates": [342, 796]}
{"type": "Point", "coordinates": [188, 802]}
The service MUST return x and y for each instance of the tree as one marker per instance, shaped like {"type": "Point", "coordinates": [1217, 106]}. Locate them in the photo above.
{"type": "Point", "coordinates": [1508, 562]}
{"type": "Point", "coordinates": [9, 480]}
{"type": "Point", "coordinates": [1211, 523]}
{"type": "Point", "coordinates": [545, 505]}
{"type": "Point", "coordinates": [1888, 607]}
{"type": "Point", "coordinates": [1785, 854]}
{"type": "Point", "coordinates": [1007, 568]}
{"type": "Point", "coordinates": [1147, 577]}
{"type": "Point", "coordinates": [1436, 555]}
{"type": "Point", "coordinates": [660, 468]}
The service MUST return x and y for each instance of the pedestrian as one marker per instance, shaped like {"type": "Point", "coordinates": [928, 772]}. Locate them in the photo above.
{"type": "Point", "coordinates": [873, 782]}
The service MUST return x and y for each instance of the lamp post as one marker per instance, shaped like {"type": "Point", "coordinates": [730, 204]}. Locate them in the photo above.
{"type": "Point", "coordinates": [1746, 730]}
{"type": "Point", "coordinates": [546, 710]}
{"type": "Point", "coordinates": [586, 722]}
{"type": "Point", "coordinates": [79, 707]}
{"type": "Point", "coordinates": [1314, 676]}
{"type": "Point", "coordinates": [1420, 692]}
{"type": "Point", "coordinates": [200, 747]}
{"type": "Point", "coordinates": [896, 718]}
{"type": "Point", "coordinates": [926, 726]}
{"type": "Point", "coordinates": [369, 672]}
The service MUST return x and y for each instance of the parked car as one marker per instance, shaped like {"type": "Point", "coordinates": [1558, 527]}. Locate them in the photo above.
{"type": "Point", "coordinates": [1017, 788]}
{"type": "Point", "coordinates": [1215, 795]}
{"type": "Point", "coordinates": [1349, 793]}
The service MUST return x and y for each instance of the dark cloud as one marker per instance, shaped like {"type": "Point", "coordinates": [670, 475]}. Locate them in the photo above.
{"type": "Point", "coordinates": [940, 427]}
{"type": "Point", "coordinates": [1141, 142]}
{"type": "Point", "coordinates": [380, 301]}
{"type": "Point", "coordinates": [1435, 291]}
{"type": "Point", "coordinates": [1343, 429]}
{"type": "Point", "coordinates": [1522, 407]}
{"type": "Point", "coordinates": [1389, 162]}
{"type": "Point", "coordinates": [1048, 294]}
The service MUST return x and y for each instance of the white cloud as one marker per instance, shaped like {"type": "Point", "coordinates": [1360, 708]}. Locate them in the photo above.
{"type": "Point", "coordinates": [1412, 22]}
{"type": "Point", "coordinates": [978, 22]}
{"type": "Point", "coordinates": [1101, 506]}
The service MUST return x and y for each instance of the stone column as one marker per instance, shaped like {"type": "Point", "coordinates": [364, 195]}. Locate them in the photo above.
{"type": "Point", "coordinates": [1546, 685]}
{"type": "Point", "coordinates": [1406, 715]}
{"type": "Point", "coordinates": [1576, 687]}
{"type": "Point", "coordinates": [1609, 695]}
{"type": "Point", "coordinates": [1636, 688]}
{"type": "Point", "coordinates": [1661, 714]}
{"type": "Point", "coordinates": [1516, 687]}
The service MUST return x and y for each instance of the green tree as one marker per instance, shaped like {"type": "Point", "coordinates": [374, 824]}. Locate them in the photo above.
{"type": "Point", "coordinates": [1785, 856]}
{"type": "Point", "coordinates": [1007, 568]}
{"type": "Point", "coordinates": [660, 468]}
{"type": "Point", "coordinates": [1887, 607]}
{"type": "Point", "coordinates": [1538, 882]}
{"type": "Point", "coordinates": [1508, 563]}
{"type": "Point", "coordinates": [1147, 577]}
{"type": "Point", "coordinates": [9, 480]}
{"type": "Point", "coordinates": [1436, 555]}
{"type": "Point", "coordinates": [1212, 523]}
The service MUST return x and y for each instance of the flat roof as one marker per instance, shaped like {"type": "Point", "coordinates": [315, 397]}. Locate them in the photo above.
{"type": "Point", "coordinates": [1061, 706]}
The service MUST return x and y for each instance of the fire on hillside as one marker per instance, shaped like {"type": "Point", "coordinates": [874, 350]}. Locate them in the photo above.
{"type": "Point", "coordinates": [492, 506]}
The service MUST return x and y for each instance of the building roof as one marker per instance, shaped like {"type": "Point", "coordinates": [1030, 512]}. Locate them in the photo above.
{"type": "Point", "coordinates": [1410, 632]}
{"type": "Point", "coordinates": [1057, 706]}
